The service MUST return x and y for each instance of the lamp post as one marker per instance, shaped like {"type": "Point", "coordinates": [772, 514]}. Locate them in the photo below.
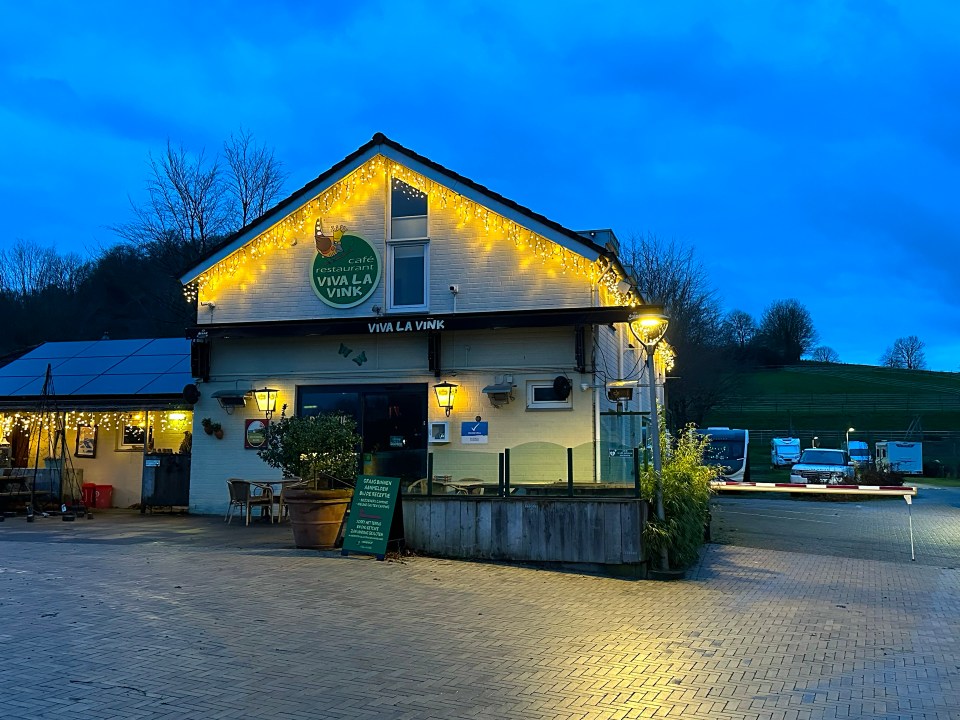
{"type": "Point", "coordinates": [649, 328]}
{"type": "Point", "coordinates": [849, 430]}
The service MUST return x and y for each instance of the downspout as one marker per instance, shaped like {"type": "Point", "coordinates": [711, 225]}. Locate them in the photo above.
{"type": "Point", "coordinates": [594, 302]}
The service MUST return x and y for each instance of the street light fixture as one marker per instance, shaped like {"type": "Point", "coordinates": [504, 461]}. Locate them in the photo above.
{"type": "Point", "coordinates": [649, 327]}
{"type": "Point", "coordinates": [849, 430]}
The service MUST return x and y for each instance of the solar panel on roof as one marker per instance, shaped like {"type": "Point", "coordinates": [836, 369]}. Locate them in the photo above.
{"type": "Point", "coordinates": [113, 348]}
{"type": "Point", "coordinates": [59, 349]}
{"type": "Point", "coordinates": [29, 367]}
{"type": "Point", "coordinates": [85, 366]}
{"type": "Point", "coordinates": [143, 364]}
{"type": "Point", "coordinates": [11, 386]}
{"type": "Point", "coordinates": [117, 384]}
{"type": "Point", "coordinates": [104, 368]}
{"type": "Point", "coordinates": [70, 384]}
{"type": "Point", "coordinates": [167, 346]}
{"type": "Point", "coordinates": [163, 384]}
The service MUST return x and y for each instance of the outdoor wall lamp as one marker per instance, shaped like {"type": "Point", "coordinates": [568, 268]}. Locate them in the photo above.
{"type": "Point", "coordinates": [649, 327]}
{"type": "Point", "coordinates": [446, 392]}
{"type": "Point", "coordinates": [266, 401]}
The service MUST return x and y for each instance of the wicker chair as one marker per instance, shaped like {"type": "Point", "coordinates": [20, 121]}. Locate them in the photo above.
{"type": "Point", "coordinates": [243, 499]}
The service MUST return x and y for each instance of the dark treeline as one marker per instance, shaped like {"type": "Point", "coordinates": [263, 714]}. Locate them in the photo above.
{"type": "Point", "coordinates": [132, 290]}
{"type": "Point", "coordinates": [126, 292]}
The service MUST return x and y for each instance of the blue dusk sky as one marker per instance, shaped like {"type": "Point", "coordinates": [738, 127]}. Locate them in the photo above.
{"type": "Point", "coordinates": [805, 149]}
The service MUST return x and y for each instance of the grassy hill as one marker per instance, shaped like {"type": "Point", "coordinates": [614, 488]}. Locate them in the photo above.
{"type": "Point", "coordinates": [823, 400]}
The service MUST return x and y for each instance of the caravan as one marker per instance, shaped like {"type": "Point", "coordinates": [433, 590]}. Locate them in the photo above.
{"type": "Point", "coordinates": [784, 451]}
{"type": "Point", "coordinates": [901, 457]}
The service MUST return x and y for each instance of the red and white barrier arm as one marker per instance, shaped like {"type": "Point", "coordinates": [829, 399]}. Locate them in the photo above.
{"type": "Point", "coordinates": [814, 488]}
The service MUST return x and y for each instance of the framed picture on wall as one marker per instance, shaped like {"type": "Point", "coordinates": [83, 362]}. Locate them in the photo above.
{"type": "Point", "coordinates": [86, 441]}
{"type": "Point", "coordinates": [255, 433]}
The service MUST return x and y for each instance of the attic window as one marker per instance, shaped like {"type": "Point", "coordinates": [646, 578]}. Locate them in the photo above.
{"type": "Point", "coordinates": [408, 212]}
{"type": "Point", "coordinates": [408, 249]}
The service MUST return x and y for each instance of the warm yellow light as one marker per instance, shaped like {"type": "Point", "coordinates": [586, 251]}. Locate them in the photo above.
{"type": "Point", "coordinates": [649, 327]}
{"type": "Point", "coordinates": [266, 401]}
{"type": "Point", "coordinates": [446, 393]}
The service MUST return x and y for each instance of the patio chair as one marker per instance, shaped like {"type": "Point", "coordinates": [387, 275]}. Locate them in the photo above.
{"type": "Point", "coordinates": [242, 498]}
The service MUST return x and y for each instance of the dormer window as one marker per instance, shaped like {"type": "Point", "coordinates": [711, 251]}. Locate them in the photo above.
{"type": "Point", "coordinates": [408, 248]}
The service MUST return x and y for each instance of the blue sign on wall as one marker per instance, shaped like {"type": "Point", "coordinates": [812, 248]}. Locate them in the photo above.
{"type": "Point", "coordinates": [474, 433]}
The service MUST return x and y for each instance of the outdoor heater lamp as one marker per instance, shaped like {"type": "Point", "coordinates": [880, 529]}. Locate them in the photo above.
{"type": "Point", "coordinates": [446, 392]}
{"type": "Point", "coordinates": [649, 328]}
{"type": "Point", "coordinates": [266, 401]}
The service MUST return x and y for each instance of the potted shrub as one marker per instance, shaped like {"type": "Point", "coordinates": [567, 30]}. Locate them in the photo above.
{"type": "Point", "coordinates": [686, 503]}
{"type": "Point", "coordinates": [322, 451]}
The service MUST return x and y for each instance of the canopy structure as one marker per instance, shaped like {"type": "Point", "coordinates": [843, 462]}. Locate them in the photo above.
{"type": "Point", "coordinates": [100, 374]}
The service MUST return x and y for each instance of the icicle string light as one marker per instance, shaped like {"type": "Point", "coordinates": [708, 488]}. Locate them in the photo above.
{"type": "Point", "coordinates": [172, 420]}
{"type": "Point", "coordinates": [368, 178]}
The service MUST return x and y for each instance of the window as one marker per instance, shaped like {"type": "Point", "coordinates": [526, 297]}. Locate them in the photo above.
{"type": "Point", "coordinates": [542, 395]}
{"type": "Point", "coordinates": [407, 249]}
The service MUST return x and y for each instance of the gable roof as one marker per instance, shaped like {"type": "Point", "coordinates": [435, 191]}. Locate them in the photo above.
{"type": "Point", "coordinates": [103, 373]}
{"type": "Point", "coordinates": [379, 144]}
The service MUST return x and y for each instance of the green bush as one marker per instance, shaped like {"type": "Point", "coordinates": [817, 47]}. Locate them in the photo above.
{"type": "Point", "coordinates": [320, 449]}
{"type": "Point", "coordinates": [686, 499]}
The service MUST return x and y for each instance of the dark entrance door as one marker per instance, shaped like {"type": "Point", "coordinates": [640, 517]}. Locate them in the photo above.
{"type": "Point", "coordinates": [391, 418]}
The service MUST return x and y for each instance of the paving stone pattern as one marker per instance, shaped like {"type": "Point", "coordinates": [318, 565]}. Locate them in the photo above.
{"type": "Point", "coordinates": [181, 618]}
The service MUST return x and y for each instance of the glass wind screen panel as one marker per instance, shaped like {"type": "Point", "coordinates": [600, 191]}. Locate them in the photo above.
{"type": "Point", "coordinates": [409, 227]}
{"type": "Point", "coordinates": [408, 275]}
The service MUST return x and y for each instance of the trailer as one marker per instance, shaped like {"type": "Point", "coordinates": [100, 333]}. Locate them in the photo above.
{"type": "Point", "coordinates": [901, 457]}
{"type": "Point", "coordinates": [784, 451]}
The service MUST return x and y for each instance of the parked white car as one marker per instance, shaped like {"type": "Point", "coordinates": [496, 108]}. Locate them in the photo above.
{"type": "Point", "coordinates": [823, 466]}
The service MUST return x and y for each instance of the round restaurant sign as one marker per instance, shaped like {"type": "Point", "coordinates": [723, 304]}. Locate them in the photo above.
{"type": "Point", "coordinates": [346, 273]}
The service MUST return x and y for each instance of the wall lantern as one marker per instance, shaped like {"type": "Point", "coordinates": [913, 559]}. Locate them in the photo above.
{"type": "Point", "coordinates": [446, 392]}
{"type": "Point", "coordinates": [266, 400]}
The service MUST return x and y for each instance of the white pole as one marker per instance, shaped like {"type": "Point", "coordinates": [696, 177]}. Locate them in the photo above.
{"type": "Point", "coordinates": [655, 445]}
{"type": "Point", "coordinates": [910, 517]}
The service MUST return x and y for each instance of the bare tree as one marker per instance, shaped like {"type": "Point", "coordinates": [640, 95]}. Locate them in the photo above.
{"type": "Point", "coordinates": [906, 352]}
{"type": "Point", "coordinates": [825, 354]}
{"type": "Point", "coordinates": [256, 178]}
{"type": "Point", "coordinates": [787, 330]}
{"type": "Point", "coordinates": [188, 203]}
{"type": "Point", "coordinates": [669, 274]}
{"type": "Point", "coordinates": [739, 328]}
{"type": "Point", "coordinates": [26, 268]}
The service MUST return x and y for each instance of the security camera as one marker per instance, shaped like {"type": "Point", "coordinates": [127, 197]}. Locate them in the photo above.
{"type": "Point", "coordinates": [454, 289]}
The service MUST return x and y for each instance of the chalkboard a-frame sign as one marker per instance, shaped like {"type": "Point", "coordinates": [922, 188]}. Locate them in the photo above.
{"type": "Point", "coordinates": [376, 516]}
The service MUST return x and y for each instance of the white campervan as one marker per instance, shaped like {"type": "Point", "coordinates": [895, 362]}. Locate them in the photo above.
{"type": "Point", "coordinates": [784, 451]}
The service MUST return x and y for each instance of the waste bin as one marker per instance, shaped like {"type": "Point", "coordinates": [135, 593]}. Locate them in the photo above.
{"type": "Point", "coordinates": [89, 492]}
{"type": "Point", "coordinates": [104, 496]}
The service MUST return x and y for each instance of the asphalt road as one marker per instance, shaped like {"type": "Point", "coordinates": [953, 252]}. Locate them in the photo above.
{"type": "Point", "coordinates": [869, 529]}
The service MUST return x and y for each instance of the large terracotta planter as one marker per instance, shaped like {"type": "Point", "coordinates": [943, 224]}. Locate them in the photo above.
{"type": "Point", "coordinates": [316, 516]}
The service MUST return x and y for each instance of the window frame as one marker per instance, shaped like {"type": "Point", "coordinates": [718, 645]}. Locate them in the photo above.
{"type": "Point", "coordinates": [394, 243]}
{"type": "Point", "coordinates": [534, 404]}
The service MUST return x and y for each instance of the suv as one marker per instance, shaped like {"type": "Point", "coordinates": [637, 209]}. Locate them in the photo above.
{"type": "Point", "coordinates": [822, 466]}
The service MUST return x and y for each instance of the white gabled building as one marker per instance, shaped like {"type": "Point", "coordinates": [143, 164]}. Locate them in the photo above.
{"type": "Point", "coordinates": [389, 275]}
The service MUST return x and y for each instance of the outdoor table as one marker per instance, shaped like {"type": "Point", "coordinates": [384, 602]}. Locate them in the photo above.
{"type": "Point", "coordinates": [269, 485]}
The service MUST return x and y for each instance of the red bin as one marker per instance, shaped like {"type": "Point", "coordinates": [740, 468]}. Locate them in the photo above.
{"type": "Point", "coordinates": [104, 496]}
{"type": "Point", "coordinates": [89, 491]}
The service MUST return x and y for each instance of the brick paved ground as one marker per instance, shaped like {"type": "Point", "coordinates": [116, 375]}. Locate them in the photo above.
{"type": "Point", "coordinates": [124, 617]}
